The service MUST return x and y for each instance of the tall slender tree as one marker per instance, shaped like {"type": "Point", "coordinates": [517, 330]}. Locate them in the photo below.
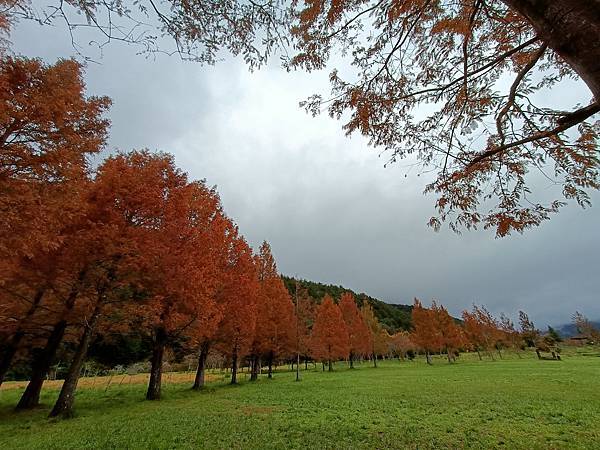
{"type": "Point", "coordinates": [358, 333]}
{"type": "Point", "coordinates": [451, 335]}
{"type": "Point", "coordinates": [275, 330]}
{"type": "Point", "coordinates": [235, 333]}
{"type": "Point", "coordinates": [481, 330]}
{"type": "Point", "coordinates": [48, 127]}
{"type": "Point", "coordinates": [305, 316]}
{"type": "Point", "coordinates": [374, 328]}
{"type": "Point", "coordinates": [330, 340]}
{"type": "Point", "coordinates": [424, 333]}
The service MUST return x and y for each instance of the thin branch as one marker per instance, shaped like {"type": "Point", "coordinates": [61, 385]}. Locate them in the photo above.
{"type": "Point", "coordinates": [491, 64]}
{"type": "Point", "coordinates": [347, 24]}
{"type": "Point", "coordinates": [565, 122]}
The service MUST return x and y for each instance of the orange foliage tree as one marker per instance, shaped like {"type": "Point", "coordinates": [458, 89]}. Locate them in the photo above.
{"type": "Point", "coordinates": [305, 317]}
{"type": "Point", "coordinates": [450, 334]}
{"type": "Point", "coordinates": [275, 326]}
{"type": "Point", "coordinates": [172, 224]}
{"type": "Point", "coordinates": [358, 333]}
{"type": "Point", "coordinates": [48, 127]}
{"type": "Point", "coordinates": [106, 289]}
{"type": "Point", "coordinates": [511, 338]}
{"type": "Point", "coordinates": [239, 297]}
{"type": "Point", "coordinates": [452, 54]}
{"type": "Point", "coordinates": [481, 330]}
{"type": "Point", "coordinates": [425, 334]}
{"type": "Point", "coordinates": [330, 339]}
{"type": "Point", "coordinates": [374, 328]}
{"type": "Point", "coordinates": [401, 344]}
{"type": "Point", "coordinates": [382, 343]}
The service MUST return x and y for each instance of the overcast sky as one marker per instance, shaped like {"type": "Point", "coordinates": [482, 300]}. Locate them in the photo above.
{"type": "Point", "coordinates": [330, 210]}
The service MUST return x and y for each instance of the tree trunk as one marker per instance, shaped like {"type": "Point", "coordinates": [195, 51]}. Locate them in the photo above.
{"type": "Point", "coordinates": [64, 405]}
{"type": "Point", "coordinates": [202, 356]}
{"type": "Point", "coordinates": [323, 362]}
{"type": "Point", "coordinates": [270, 361]}
{"type": "Point", "coordinates": [570, 28]}
{"type": "Point", "coordinates": [255, 366]}
{"type": "Point", "coordinates": [374, 360]}
{"type": "Point", "coordinates": [449, 356]}
{"type": "Point", "coordinates": [158, 351]}
{"type": "Point", "coordinates": [428, 358]}
{"type": "Point", "coordinates": [479, 354]}
{"type": "Point", "coordinates": [537, 352]}
{"type": "Point", "coordinates": [10, 349]}
{"type": "Point", "coordinates": [500, 353]}
{"type": "Point", "coordinates": [252, 368]}
{"type": "Point", "coordinates": [330, 368]}
{"type": "Point", "coordinates": [351, 361]}
{"type": "Point", "coordinates": [9, 353]}
{"type": "Point", "coordinates": [305, 363]}
{"type": "Point", "coordinates": [234, 366]}
{"type": "Point", "coordinates": [40, 367]}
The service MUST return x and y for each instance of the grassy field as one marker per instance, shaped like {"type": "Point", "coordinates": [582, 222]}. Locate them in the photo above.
{"type": "Point", "coordinates": [514, 403]}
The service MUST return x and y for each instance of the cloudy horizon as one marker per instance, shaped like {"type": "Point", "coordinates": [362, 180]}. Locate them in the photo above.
{"type": "Point", "coordinates": [330, 210]}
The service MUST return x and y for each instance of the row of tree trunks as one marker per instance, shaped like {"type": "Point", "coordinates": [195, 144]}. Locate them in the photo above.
{"type": "Point", "coordinates": [11, 347]}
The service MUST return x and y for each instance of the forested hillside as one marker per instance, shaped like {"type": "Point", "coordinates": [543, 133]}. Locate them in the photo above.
{"type": "Point", "coordinates": [393, 317]}
{"type": "Point", "coordinates": [567, 330]}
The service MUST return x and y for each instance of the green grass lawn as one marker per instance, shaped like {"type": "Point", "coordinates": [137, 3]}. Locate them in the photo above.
{"type": "Point", "coordinates": [509, 404]}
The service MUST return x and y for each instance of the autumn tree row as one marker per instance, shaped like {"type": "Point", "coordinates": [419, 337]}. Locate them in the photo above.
{"type": "Point", "coordinates": [435, 331]}
{"type": "Point", "coordinates": [132, 247]}
{"type": "Point", "coordinates": [135, 247]}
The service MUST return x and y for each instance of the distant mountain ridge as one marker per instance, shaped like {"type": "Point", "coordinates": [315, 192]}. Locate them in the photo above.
{"type": "Point", "coordinates": [568, 329]}
{"type": "Point", "coordinates": [393, 317]}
